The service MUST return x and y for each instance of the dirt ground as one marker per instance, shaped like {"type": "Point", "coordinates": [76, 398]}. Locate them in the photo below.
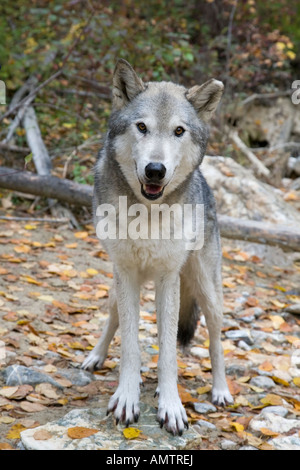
{"type": "Point", "coordinates": [54, 283]}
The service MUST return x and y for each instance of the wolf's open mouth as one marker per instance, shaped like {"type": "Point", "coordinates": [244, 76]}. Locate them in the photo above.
{"type": "Point", "coordinates": [152, 191]}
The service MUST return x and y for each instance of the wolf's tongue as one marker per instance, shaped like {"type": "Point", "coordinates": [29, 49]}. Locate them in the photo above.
{"type": "Point", "coordinates": [153, 188]}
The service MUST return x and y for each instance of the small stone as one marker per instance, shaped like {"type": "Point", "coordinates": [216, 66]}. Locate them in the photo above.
{"type": "Point", "coordinates": [248, 448]}
{"type": "Point", "coordinates": [237, 335]}
{"type": "Point", "coordinates": [204, 427]}
{"type": "Point", "coordinates": [227, 444]}
{"type": "Point", "coordinates": [276, 410]}
{"type": "Point", "coordinates": [244, 346]}
{"type": "Point", "coordinates": [286, 442]}
{"type": "Point", "coordinates": [200, 352]}
{"type": "Point", "coordinates": [19, 375]}
{"type": "Point", "coordinates": [263, 382]}
{"type": "Point", "coordinates": [204, 408]}
{"type": "Point", "coordinates": [78, 377]}
{"type": "Point", "coordinates": [273, 422]}
{"type": "Point", "coordinates": [295, 309]}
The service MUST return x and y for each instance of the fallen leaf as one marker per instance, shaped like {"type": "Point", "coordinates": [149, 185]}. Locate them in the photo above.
{"type": "Point", "coordinates": [268, 432]}
{"type": "Point", "coordinates": [5, 446]}
{"type": "Point", "coordinates": [32, 407]}
{"type": "Point", "coordinates": [79, 432]}
{"type": "Point", "coordinates": [296, 381]}
{"type": "Point", "coordinates": [202, 390]}
{"type": "Point", "coordinates": [42, 435]}
{"type": "Point", "coordinates": [271, 399]}
{"type": "Point", "coordinates": [81, 235]}
{"type": "Point", "coordinates": [92, 272]}
{"type": "Point", "coordinates": [237, 426]}
{"type": "Point", "coordinates": [7, 392]}
{"type": "Point", "coordinates": [7, 419]}
{"type": "Point", "coordinates": [47, 390]}
{"type": "Point", "coordinates": [15, 430]}
{"type": "Point", "coordinates": [131, 433]}
{"type": "Point", "coordinates": [234, 387]}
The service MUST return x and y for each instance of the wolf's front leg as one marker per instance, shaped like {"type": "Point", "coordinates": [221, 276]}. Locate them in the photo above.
{"type": "Point", "coordinates": [125, 401]}
{"type": "Point", "coordinates": [170, 410]}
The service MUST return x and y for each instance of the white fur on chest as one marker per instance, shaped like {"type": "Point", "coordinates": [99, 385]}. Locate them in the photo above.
{"type": "Point", "coordinates": [149, 257]}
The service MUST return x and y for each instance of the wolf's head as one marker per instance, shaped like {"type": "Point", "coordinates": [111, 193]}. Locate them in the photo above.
{"type": "Point", "coordinates": [159, 130]}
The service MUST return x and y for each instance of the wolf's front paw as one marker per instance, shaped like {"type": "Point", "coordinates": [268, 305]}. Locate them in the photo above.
{"type": "Point", "coordinates": [221, 397]}
{"type": "Point", "coordinates": [93, 362]}
{"type": "Point", "coordinates": [171, 413]}
{"type": "Point", "coordinates": [124, 405]}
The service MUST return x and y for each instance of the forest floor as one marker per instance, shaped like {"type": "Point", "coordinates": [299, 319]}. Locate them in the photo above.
{"type": "Point", "coordinates": [54, 283]}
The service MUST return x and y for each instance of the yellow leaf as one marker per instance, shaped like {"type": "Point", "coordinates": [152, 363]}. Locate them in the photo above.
{"type": "Point", "coordinates": [81, 235]}
{"type": "Point", "coordinates": [79, 432]}
{"type": "Point", "coordinates": [30, 227]}
{"type": "Point", "coordinates": [31, 280]}
{"type": "Point", "coordinates": [271, 399]}
{"type": "Point", "coordinates": [237, 426]}
{"type": "Point", "coordinates": [280, 46]}
{"type": "Point", "coordinates": [92, 272]}
{"type": "Point", "coordinates": [296, 381]}
{"type": "Point", "coordinates": [15, 430]}
{"type": "Point", "coordinates": [205, 389]}
{"type": "Point", "coordinates": [277, 303]}
{"type": "Point", "coordinates": [131, 433]}
{"type": "Point", "coordinates": [68, 125]}
{"type": "Point", "coordinates": [291, 55]}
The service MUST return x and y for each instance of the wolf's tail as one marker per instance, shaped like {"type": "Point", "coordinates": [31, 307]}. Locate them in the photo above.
{"type": "Point", "coordinates": [188, 317]}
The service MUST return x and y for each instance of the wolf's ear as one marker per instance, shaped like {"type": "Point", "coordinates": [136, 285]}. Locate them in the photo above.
{"type": "Point", "coordinates": [126, 84]}
{"type": "Point", "coordinates": [205, 98]}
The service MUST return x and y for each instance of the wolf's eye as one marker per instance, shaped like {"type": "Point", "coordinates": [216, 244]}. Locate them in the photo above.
{"type": "Point", "coordinates": [179, 131]}
{"type": "Point", "coordinates": [142, 127]}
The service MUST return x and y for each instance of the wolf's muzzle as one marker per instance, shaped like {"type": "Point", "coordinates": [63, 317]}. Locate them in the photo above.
{"type": "Point", "coordinates": [155, 173]}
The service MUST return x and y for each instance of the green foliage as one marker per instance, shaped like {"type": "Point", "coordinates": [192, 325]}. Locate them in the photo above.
{"type": "Point", "coordinates": [187, 42]}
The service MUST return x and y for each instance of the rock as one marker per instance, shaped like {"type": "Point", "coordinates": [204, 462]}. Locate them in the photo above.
{"type": "Point", "coordinates": [200, 352]}
{"type": "Point", "coordinates": [227, 444]}
{"type": "Point", "coordinates": [263, 382]}
{"type": "Point", "coordinates": [276, 410]}
{"type": "Point", "coordinates": [78, 377]}
{"type": "Point", "coordinates": [236, 335]}
{"type": "Point", "coordinates": [243, 345]}
{"type": "Point", "coordinates": [205, 427]}
{"type": "Point", "coordinates": [286, 442]}
{"type": "Point", "coordinates": [19, 375]}
{"type": "Point", "coordinates": [295, 309]}
{"type": "Point", "coordinates": [274, 423]}
{"type": "Point", "coordinates": [109, 435]}
{"type": "Point", "coordinates": [248, 448]}
{"type": "Point", "coordinates": [204, 408]}
{"type": "Point", "coordinates": [236, 369]}
{"type": "Point", "coordinates": [239, 194]}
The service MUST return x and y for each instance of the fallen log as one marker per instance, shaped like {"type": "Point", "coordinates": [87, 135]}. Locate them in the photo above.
{"type": "Point", "coordinates": [81, 195]}
{"type": "Point", "coordinates": [259, 232]}
{"type": "Point", "coordinates": [47, 186]}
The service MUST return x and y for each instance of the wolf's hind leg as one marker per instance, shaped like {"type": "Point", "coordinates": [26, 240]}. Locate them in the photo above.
{"type": "Point", "coordinates": [97, 356]}
{"type": "Point", "coordinates": [204, 272]}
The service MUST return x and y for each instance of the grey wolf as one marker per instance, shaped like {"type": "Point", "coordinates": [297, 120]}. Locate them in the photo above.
{"type": "Point", "coordinates": [156, 140]}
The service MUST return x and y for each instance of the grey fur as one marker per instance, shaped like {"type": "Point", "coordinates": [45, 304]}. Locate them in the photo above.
{"type": "Point", "coordinates": [184, 279]}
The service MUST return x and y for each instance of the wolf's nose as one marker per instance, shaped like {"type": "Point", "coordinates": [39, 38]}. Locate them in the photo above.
{"type": "Point", "coordinates": [155, 171]}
